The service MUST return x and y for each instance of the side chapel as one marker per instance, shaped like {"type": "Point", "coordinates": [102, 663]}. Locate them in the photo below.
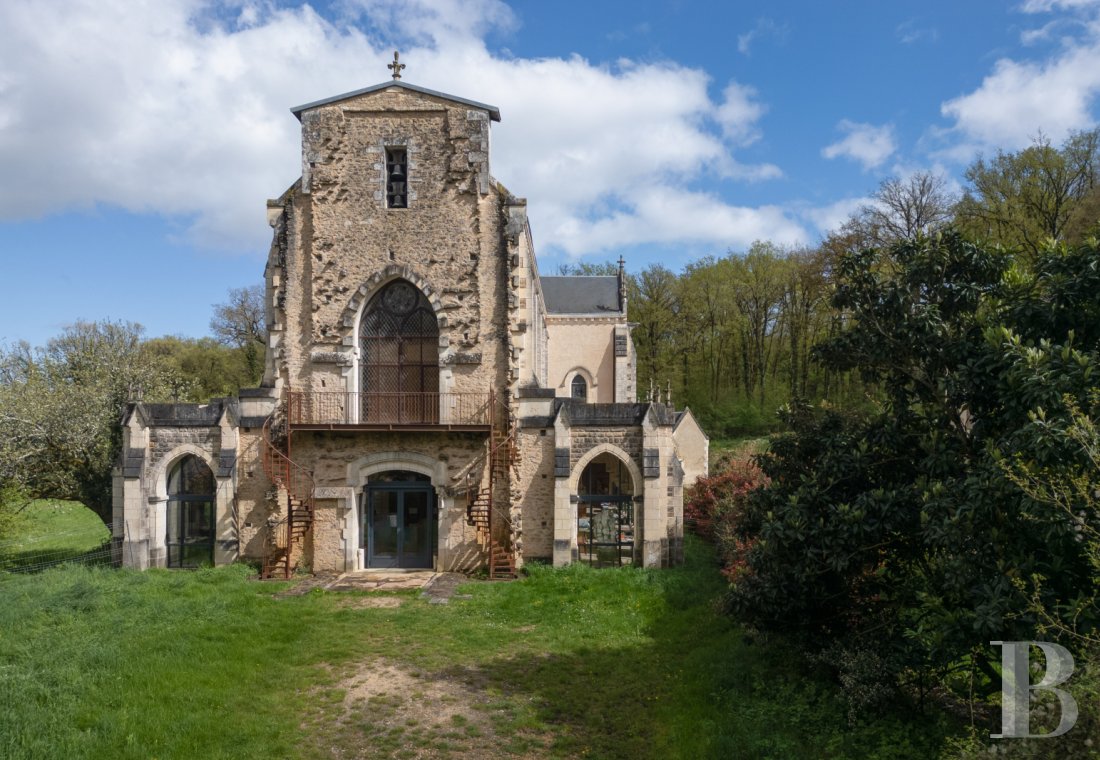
{"type": "Point", "coordinates": [429, 400]}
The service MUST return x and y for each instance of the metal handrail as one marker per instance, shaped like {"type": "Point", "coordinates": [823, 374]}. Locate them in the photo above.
{"type": "Point", "coordinates": [373, 408]}
{"type": "Point", "coordinates": [297, 481]}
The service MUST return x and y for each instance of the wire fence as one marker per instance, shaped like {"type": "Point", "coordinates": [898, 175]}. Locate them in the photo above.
{"type": "Point", "coordinates": [86, 546]}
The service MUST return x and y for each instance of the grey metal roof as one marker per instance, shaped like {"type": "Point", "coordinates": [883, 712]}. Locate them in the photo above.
{"type": "Point", "coordinates": [581, 294]}
{"type": "Point", "coordinates": [494, 112]}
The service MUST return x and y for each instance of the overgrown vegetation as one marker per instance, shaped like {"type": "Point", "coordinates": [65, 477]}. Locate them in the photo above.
{"type": "Point", "coordinates": [896, 545]}
{"type": "Point", "coordinates": [568, 662]}
{"type": "Point", "coordinates": [60, 404]}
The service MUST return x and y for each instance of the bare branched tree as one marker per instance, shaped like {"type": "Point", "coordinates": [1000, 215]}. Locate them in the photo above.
{"type": "Point", "coordinates": [902, 209]}
{"type": "Point", "coordinates": [239, 322]}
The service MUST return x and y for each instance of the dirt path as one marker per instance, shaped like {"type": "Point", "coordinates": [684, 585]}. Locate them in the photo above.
{"type": "Point", "coordinates": [392, 711]}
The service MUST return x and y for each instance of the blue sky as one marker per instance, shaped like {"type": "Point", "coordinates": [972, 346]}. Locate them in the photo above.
{"type": "Point", "coordinates": [139, 141]}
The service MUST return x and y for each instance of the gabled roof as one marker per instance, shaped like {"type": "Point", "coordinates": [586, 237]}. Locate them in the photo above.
{"type": "Point", "coordinates": [494, 112]}
{"type": "Point", "coordinates": [581, 294]}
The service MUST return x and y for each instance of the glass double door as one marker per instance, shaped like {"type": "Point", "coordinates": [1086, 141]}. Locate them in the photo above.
{"type": "Point", "coordinates": [190, 538]}
{"type": "Point", "coordinates": [605, 530]}
{"type": "Point", "coordinates": [398, 525]}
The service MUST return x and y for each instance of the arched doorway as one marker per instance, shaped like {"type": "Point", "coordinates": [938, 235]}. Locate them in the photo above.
{"type": "Point", "coordinates": [190, 515]}
{"type": "Point", "coordinates": [397, 520]}
{"type": "Point", "coordinates": [605, 513]}
{"type": "Point", "coordinates": [399, 355]}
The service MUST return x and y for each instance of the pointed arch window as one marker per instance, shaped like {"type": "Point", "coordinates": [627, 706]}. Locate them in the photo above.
{"type": "Point", "coordinates": [399, 349]}
{"type": "Point", "coordinates": [579, 389]}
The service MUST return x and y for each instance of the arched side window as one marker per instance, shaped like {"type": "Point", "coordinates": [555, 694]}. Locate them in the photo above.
{"type": "Point", "coordinates": [191, 514]}
{"type": "Point", "coordinates": [579, 388]}
{"type": "Point", "coordinates": [399, 349]}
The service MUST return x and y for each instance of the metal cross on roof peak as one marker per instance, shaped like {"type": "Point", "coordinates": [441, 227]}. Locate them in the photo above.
{"type": "Point", "coordinates": [396, 66]}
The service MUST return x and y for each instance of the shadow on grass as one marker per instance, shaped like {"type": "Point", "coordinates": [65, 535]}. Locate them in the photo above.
{"type": "Point", "coordinates": [697, 688]}
{"type": "Point", "coordinates": [34, 561]}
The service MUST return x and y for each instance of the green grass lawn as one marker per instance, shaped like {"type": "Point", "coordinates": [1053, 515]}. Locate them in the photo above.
{"type": "Point", "coordinates": [565, 663]}
{"type": "Point", "coordinates": [52, 530]}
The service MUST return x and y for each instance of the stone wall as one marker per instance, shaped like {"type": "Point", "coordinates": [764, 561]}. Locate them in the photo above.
{"type": "Point", "coordinates": [340, 237]}
{"type": "Point", "coordinates": [325, 552]}
{"type": "Point", "coordinates": [253, 490]}
{"type": "Point", "coordinates": [533, 494]}
{"type": "Point", "coordinates": [163, 441]}
{"type": "Point", "coordinates": [453, 456]}
{"type": "Point", "coordinates": [629, 439]}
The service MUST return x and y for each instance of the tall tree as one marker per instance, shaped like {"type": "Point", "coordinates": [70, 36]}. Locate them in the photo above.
{"type": "Point", "coordinates": [758, 290]}
{"type": "Point", "coordinates": [708, 312]}
{"type": "Point", "coordinates": [60, 407]}
{"type": "Point", "coordinates": [239, 322]}
{"type": "Point", "coordinates": [653, 306]}
{"type": "Point", "coordinates": [1023, 200]}
{"type": "Point", "coordinates": [804, 302]}
{"type": "Point", "coordinates": [901, 209]}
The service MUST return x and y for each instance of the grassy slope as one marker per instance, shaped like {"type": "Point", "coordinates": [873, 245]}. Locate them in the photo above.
{"type": "Point", "coordinates": [631, 663]}
{"type": "Point", "coordinates": [52, 529]}
{"type": "Point", "coordinates": [738, 448]}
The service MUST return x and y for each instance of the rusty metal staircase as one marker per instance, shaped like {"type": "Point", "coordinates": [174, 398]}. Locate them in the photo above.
{"type": "Point", "coordinates": [286, 536]}
{"type": "Point", "coordinates": [481, 510]}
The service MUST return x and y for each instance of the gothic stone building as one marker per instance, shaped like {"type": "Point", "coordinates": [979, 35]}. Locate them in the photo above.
{"type": "Point", "coordinates": [429, 400]}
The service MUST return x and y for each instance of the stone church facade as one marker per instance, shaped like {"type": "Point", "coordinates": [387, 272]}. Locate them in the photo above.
{"type": "Point", "coordinates": [429, 400]}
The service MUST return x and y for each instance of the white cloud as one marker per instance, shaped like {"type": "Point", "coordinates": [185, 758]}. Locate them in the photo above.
{"type": "Point", "coordinates": [830, 217]}
{"type": "Point", "coordinates": [765, 27]}
{"type": "Point", "coordinates": [1045, 6]}
{"type": "Point", "coordinates": [1020, 99]}
{"type": "Point", "coordinates": [871, 146]}
{"type": "Point", "coordinates": [658, 214]}
{"type": "Point", "coordinates": [180, 108]}
{"type": "Point", "coordinates": [910, 32]}
{"type": "Point", "coordinates": [739, 113]}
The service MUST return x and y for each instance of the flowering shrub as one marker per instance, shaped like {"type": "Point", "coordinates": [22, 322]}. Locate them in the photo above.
{"type": "Point", "coordinates": [715, 504]}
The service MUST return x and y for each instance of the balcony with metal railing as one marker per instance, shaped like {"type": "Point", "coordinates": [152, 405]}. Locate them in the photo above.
{"type": "Point", "coordinates": [342, 410]}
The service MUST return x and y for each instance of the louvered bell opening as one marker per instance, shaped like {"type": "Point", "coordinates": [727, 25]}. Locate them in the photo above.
{"type": "Point", "coordinates": [397, 169]}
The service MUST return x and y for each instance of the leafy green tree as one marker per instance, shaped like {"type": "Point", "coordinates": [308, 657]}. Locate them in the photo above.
{"type": "Point", "coordinates": [805, 314]}
{"type": "Point", "coordinates": [758, 290]}
{"type": "Point", "coordinates": [1042, 193]}
{"type": "Point", "coordinates": [653, 304]}
{"type": "Point", "coordinates": [60, 407]}
{"type": "Point", "coordinates": [900, 534]}
{"type": "Point", "coordinates": [588, 269]}
{"type": "Point", "coordinates": [709, 327]}
{"type": "Point", "coordinates": [212, 368]}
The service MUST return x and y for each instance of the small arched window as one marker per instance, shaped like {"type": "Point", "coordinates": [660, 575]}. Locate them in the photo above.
{"type": "Point", "coordinates": [190, 529]}
{"type": "Point", "coordinates": [579, 388]}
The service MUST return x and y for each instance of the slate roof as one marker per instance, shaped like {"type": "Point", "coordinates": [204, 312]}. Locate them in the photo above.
{"type": "Point", "coordinates": [494, 112]}
{"type": "Point", "coordinates": [581, 414]}
{"type": "Point", "coordinates": [581, 294]}
{"type": "Point", "coordinates": [184, 415]}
